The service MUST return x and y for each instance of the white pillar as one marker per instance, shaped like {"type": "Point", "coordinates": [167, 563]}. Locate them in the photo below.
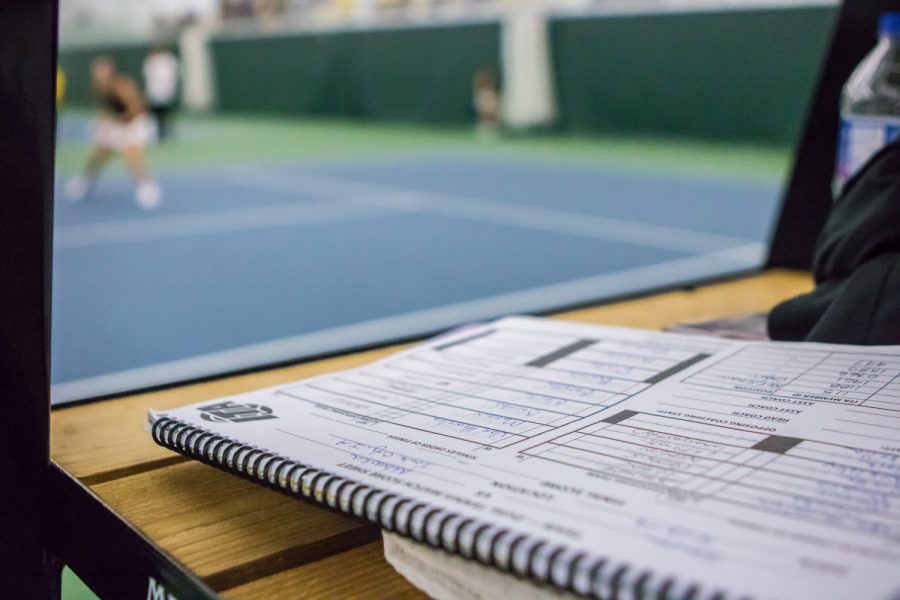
{"type": "Point", "coordinates": [529, 100]}
{"type": "Point", "coordinates": [197, 82]}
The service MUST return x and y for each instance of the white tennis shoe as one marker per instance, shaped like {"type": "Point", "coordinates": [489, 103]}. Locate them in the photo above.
{"type": "Point", "coordinates": [148, 195]}
{"type": "Point", "coordinates": [77, 188]}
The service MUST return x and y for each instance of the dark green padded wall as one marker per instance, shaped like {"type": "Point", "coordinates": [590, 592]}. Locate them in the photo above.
{"type": "Point", "coordinates": [76, 62]}
{"type": "Point", "coordinates": [736, 75]}
{"type": "Point", "coordinates": [422, 74]}
{"type": "Point", "coordinates": [733, 75]}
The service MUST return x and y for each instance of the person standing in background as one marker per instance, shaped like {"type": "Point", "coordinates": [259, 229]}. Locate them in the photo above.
{"type": "Point", "coordinates": [160, 87]}
{"type": "Point", "coordinates": [124, 128]}
{"type": "Point", "coordinates": [486, 100]}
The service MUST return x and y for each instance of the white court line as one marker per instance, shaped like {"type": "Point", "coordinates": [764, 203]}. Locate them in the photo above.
{"type": "Point", "coordinates": [146, 229]}
{"type": "Point", "coordinates": [541, 298]}
{"type": "Point", "coordinates": [487, 211]}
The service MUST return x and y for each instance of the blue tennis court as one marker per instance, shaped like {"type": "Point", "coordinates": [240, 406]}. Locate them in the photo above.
{"type": "Point", "coordinates": [269, 257]}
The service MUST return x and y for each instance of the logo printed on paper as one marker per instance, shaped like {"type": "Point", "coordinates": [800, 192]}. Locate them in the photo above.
{"type": "Point", "coordinates": [233, 412]}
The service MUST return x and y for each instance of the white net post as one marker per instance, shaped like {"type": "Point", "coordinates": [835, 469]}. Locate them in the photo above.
{"type": "Point", "coordinates": [529, 99]}
{"type": "Point", "coordinates": [197, 87]}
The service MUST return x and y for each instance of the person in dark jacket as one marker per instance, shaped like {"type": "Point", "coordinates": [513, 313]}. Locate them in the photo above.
{"type": "Point", "coordinates": [856, 265]}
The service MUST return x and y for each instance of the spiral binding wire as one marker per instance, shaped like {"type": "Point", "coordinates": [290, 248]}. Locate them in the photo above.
{"type": "Point", "coordinates": [522, 555]}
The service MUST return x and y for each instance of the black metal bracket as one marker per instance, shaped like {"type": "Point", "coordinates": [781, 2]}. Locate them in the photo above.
{"type": "Point", "coordinates": [109, 554]}
{"type": "Point", "coordinates": [27, 83]}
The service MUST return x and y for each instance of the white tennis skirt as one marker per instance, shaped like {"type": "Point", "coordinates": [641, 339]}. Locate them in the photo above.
{"type": "Point", "coordinates": [116, 135]}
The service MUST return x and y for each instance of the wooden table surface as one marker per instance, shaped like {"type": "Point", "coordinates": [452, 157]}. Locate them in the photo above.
{"type": "Point", "coordinates": [249, 542]}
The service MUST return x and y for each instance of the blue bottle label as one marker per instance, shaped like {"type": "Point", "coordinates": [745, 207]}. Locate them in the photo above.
{"type": "Point", "coordinates": [860, 139]}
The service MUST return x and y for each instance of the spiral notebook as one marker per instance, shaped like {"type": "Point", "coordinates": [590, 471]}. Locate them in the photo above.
{"type": "Point", "coordinates": [603, 461]}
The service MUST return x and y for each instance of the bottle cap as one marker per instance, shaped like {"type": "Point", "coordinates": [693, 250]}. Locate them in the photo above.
{"type": "Point", "coordinates": [889, 24]}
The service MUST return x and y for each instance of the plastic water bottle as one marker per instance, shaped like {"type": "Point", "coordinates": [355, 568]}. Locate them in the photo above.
{"type": "Point", "coordinates": [870, 103]}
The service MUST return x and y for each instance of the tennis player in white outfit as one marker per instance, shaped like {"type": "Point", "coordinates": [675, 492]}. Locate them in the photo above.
{"type": "Point", "coordinates": [123, 128]}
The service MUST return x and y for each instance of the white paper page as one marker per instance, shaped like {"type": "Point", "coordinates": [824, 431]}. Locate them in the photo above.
{"type": "Point", "coordinates": [764, 469]}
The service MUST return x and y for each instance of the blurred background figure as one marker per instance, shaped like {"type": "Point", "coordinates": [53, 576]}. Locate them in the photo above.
{"type": "Point", "coordinates": [486, 98]}
{"type": "Point", "coordinates": [237, 9]}
{"type": "Point", "coordinates": [123, 127]}
{"type": "Point", "coordinates": [161, 87]}
{"type": "Point", "coordinates": [60, 87]}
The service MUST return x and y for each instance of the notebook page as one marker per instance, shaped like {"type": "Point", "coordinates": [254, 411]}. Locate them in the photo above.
{"type": "Point", "coordinates": [763, 469]}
